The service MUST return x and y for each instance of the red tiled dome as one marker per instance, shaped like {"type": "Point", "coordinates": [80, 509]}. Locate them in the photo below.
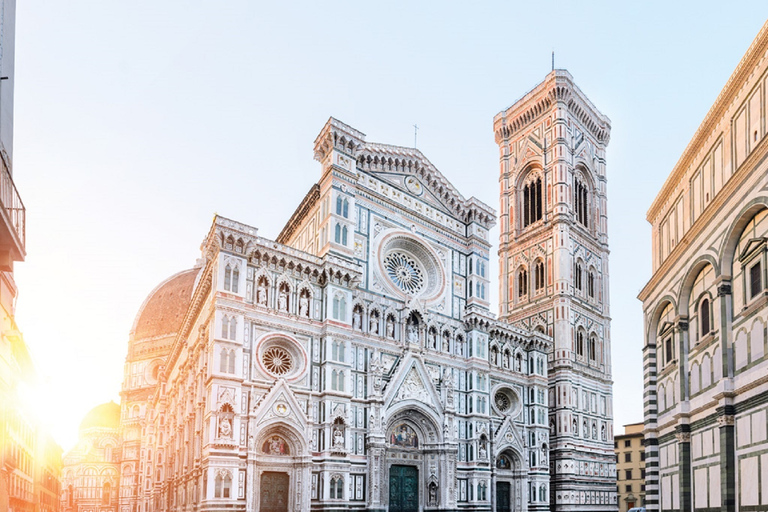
{"type": "Point", "coordinates": [102, 416]}
{"type": "Point", "coordinates": [164, 309]}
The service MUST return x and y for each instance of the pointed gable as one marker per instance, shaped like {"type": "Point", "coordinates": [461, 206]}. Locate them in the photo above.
{"type": "Point", "coordinates": [412, 382]}
{"type": "Point", "coordinates": [280, 404]}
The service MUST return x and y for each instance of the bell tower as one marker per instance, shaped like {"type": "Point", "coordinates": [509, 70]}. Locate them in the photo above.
{"type": "Point", "coordinates": [553, 260]}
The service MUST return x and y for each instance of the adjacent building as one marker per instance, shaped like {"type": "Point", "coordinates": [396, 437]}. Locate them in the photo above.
{"type": "Point", "coordinates": [553, 264]}
{"type": "Point", "coordinates": [630, 467]}
{"type": "Point", "coordinates": [29, 459]}
{"type": "Point", "coordinates": [706, 308]}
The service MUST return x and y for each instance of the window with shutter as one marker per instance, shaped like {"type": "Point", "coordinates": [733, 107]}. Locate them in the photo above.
{"type": "Point", "coordinates": [755, 280]}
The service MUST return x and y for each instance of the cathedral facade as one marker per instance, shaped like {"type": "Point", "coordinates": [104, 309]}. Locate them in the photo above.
{"type": "Point", "coordinates": [706, 309]}
{"type": "Point", "coordinates": [353, 363]}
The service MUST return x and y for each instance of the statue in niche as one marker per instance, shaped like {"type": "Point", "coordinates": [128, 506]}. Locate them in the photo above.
{"type": "Point", "coordinates": [304, 306]}
{"type": "Point", "coordinates": [261, 293]}
{"type": "Point", "coordinates": [282, 301]}
{"type": "Point", "coordinates": [594, 431]}
{"type": "Point", "coordinates": [446, 344]}
{"type": "Point", "coordinates": [432, 339]}
{"type": "Point", "coordinates": [225, 428]}
{"type": "Point", "coordinates": [602, 432]}
{"type": "Point", "coordinates": [357, 320]}
{"type": "Point", "coordinates": [373, 325]}
{"type": "Point", "coordinates": [433, 494]}
{"type": "Point", "coordinates": [338, 437]}
{"type": "Point", "coordinates": [413, 332]}
{"type": "Point", "coordinates": [390, 327]}
{"type": "Point", "coordinates": [544, 455]}
{"type": "Point", "coordinates": [483, 451]}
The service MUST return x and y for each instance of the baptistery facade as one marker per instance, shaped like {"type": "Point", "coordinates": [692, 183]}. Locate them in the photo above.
{"type": "Point", "coordinates": [352, 363]}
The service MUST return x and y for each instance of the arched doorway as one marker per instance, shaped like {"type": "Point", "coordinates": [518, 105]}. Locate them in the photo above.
{"type": "Point", "coordinates": [509, 474]}
{"type": "Point", "coordinates": [282, 470]}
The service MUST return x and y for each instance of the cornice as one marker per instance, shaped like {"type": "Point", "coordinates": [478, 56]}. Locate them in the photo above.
{"type": "Point", "coordinates": [706, 219]}
{"type": "Point", "coordinates": [728, 94]}
{"type": "Point", "coordinates": [557, 87]}
{"type": "Point", "coordinates": [306, 205]}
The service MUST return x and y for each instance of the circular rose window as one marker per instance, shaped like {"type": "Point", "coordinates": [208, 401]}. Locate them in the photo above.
{"type": "Point", "coordinates": [281, 356]}
{"type": "Point", "coordinates": [404, 271]}
{"type": "Point", "coordinates": [507, 401]}
{"type": "Point", "coordinates": [277, 360]}
{"type": "Point", "coordinates": [410, 266]}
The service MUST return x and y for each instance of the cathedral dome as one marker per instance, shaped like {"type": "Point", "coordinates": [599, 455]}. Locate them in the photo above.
{"type": "Point", "coordinates": [102, 416]}
{"type": "Point", "coordinates": [164, 308]}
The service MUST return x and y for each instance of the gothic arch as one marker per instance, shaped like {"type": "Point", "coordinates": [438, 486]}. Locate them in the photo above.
{"type": "Point", "coordinates": [421, 419]}
{"type": "Point", "coordinates": [296, 444]}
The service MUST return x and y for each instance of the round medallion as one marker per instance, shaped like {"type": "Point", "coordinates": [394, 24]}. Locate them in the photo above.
{"type": "Point", "coordinates": [410, 266]}
{"type": "Point", "coordinates": [413, 186]}
{"type": "Point", "coordinates": [506, 401]}
{"type": "Point", "coordinates": [277, 360]}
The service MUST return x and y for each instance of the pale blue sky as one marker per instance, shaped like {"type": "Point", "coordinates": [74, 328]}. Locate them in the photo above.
{"type": "Point", "coordinates": [136, 121]}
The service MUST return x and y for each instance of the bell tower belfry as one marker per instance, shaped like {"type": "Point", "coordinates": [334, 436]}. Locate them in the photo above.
{"type": "Point", "coordinates": [553, 259]}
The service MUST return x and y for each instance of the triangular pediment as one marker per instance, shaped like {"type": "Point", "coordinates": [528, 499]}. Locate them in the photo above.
{"type": "Point", "coordinates": [280, 404]}
{"type": "Point", "coordinates": [751, 247]}
{"type": "Point", "coordinates": [412, 382]}
{"type": "Point", "coordinates": [508, 436]}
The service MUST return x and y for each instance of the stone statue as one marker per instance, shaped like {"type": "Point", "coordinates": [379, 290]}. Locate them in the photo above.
{"type": "Point", "coordinates": [282, 301]}
{"type": "Point", "coordinates": [338, 438]}
{"type": "Point", "coordinates": [446, 344]}
{"type": "Point", "coordinates": [432, 494]}
{"type": "Point", "coordinates": [356, 320]}
{"type": "Point", "coordinates": [390, 327]}
{"type": "Point", "coordinates": [261, 294]}
{"type": "Point", "coordinates": [373, 325]}
{"type": "Point", "coordinates": [432, 339]}
{"type": "Point", "coordinates": [225, 428]}
{"type": "Point", "coordinates": [304, 306]}
{"type": "Point", "coordinates": [483, 450]}
{"type": "Point", "coordinates": [413, 333]}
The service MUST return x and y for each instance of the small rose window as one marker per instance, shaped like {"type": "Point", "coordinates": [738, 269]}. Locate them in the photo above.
{"type": "Point", "coordinates": [277, 360]}
{"type": "Point", "coordinates": [281, 356]}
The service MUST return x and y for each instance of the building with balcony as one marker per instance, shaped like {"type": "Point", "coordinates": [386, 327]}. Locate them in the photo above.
{"type": "Point", "coordinates": [630, 467]}
{"type": "Point", "coordinates": [705, 357]}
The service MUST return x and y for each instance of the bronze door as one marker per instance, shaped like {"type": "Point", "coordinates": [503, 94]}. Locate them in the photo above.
{"type": "Point", "coordinates": [274, 492]}
{"type": "Point", "coordinates": [503, 497]}
{"type": "Point", "coordinates": [403, 489]}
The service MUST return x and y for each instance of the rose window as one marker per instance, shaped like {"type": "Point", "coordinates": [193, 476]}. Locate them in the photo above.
{"type": "Point", "coordinates": [502, 401]}
{"type": "Point", "coordinates": [404, 271]}
{"type": "Point", "coordinates": [277, 360]}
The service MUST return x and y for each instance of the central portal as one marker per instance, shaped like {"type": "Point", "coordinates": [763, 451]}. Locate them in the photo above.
{"type": "Point", "coordinates": [274, 492]}
{"type": "Point", "coordinates": [403, 489]}
{"type": "Point", "coordinates": [503, 497]}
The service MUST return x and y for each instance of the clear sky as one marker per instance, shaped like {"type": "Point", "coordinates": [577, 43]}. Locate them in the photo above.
{"type": "Point", "coordinates": [137, 121]}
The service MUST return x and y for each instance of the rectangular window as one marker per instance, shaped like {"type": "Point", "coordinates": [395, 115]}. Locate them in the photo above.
{"type": "Point", "coordinates": [628, 488]}
{"type": "Point", "coordinates": [628, 457]}
{"type": "Point", "coordinates": [668, 350]}
{"type": "Point", "coordinates": [627, 474]}
{"type": "Point", "coordinates": [755, 280]}
{"type": "Point", "coordinates": [627, 443]}
{"type": "Point", "coordinates": [642, 455]}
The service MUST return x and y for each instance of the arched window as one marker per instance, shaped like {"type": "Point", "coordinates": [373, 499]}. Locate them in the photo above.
{"type": "Point", "coordinates": [231, 364]}
{"type": "Point", "coordinates": [591, 285]}
{"type": "Point", "coordinates": [592, 348]}
{"type": "Point", "coordinates": [106, 493]}
{"type": "Point", "coordinates": [338, 234]}
{"type": "Point", "coordinates": [532, 202]}
{"type": "Point", "coordinates": [542, 493]}
{"type": "Point", "coordinates": [522, 283]}
{"type": "Point", "coordinates": [345, 213]}
{"type": "Point", "coordinates": [235, 279]}
{"type": "Point", "coordinates": [225, 327]}
{"type": "Point", "coordinates": [704, 317]}
{"type": "Point", "coordinates": [580, 202]}
{"type": "Point", "coordinates": [223, 486]}
{"type": "Point", "coordinates": [539, 278]}
{"type": "Point", "coordinates": [340, 307]}
{"type": "Point", "coordinates": [577, 276]}
{"type": "Point", "coordinates": [224, 360]}
{"type": "Point", "coordinates": [580, 343]}
{"type": "Point", "coordinates": [334, 380]}
{"type": "Point", "coordinates": [344, 235]}
{"type": "Point", "coordinates": [341, 381]}
{"type": "Point", "coordinates": [233, 328]}
{"type": "Point", "coordinates": [338, 205]}
{"type": "Point", "coordinates": [337, 488]}
{"type": "Point", "coordinates": [227, 278]}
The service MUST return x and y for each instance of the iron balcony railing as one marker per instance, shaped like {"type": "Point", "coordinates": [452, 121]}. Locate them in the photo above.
{"type": "Point", "coordinates": [14, 208]}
